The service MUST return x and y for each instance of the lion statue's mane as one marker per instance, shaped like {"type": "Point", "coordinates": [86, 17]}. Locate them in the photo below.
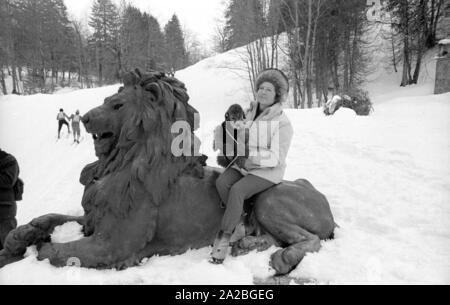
{"type": "Point", "coordinates": [139, 161]}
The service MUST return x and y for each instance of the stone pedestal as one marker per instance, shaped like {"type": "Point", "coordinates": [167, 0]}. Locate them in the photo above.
{"type": "Point", "coordinates": [442, 83]}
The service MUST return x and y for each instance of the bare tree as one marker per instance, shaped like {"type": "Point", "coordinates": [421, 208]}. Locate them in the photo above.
{"type": "Point", "coordinates": [415, 23]}
{"type": "Point", "coordinates": [219, 39]}
{"type": "Point", "coordinates": [301, 18]}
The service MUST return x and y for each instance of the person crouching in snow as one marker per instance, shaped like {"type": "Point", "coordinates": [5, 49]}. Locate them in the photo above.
{"type": "Point", "coordinates": [266, 164]}
{"type": "Point", "coordinates": [61, 117]}
{"type": "Point", "coordinates": [76, 119]}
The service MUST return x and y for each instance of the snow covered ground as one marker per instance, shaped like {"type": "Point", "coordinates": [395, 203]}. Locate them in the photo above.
{"type": "Point", "coordinates": [386, 176]}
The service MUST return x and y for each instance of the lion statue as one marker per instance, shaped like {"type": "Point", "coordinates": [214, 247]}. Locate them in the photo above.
{"type": "Point", "coordinates": [140, 199]}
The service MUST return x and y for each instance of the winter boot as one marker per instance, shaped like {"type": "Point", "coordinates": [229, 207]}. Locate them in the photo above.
{"type": "Point", "coordinates": [238, 233]}
{"type": "Point", "coordinates": [220, 248]}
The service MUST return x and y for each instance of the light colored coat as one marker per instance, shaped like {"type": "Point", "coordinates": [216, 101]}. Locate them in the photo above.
{"type": "Point", "coordinates": [269, 141]}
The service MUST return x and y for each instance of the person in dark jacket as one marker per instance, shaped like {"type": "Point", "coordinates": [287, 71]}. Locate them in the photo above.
{"type": "Point", "coordinates": [61, 117]}
{"type": "Point", "coordinates": [9, 173]}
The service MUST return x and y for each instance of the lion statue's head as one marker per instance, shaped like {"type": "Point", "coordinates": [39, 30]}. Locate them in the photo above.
{"type": "Point", "coordinates": [133, 139]}
{"type": "Point", "coordinates": [146, 101]}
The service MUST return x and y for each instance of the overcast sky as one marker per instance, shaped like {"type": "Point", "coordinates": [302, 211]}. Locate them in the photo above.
{"type": "Point", "coordinates": [199, 16]}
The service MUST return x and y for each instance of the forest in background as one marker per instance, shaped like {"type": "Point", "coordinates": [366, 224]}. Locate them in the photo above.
{"type": "Point", "coordinates": [42, 49]}
{"type": "Point", "coordinates": [327, 40]}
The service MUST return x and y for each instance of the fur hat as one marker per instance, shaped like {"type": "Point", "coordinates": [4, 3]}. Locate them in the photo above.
{"type": "Point", "coordinates": [278, 79]}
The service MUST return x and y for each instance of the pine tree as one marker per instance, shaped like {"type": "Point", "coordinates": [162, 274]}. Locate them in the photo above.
{"type": "Point", "coordinates": [4, 42]}
{"type": "Point", "coordinates": [56, 34]}
{"type": "Point", "coordinates": [133, 37]}
{"type": "Point", "coordinates": [105, 23]}
{"type": "Point", "coordinates": [244, 22]}
{"type": "Point", "coordinates": [142, 40]}
{"type": "Point", "coordinates": [176, 53]}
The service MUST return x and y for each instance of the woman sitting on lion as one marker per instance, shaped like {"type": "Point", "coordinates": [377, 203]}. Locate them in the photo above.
{"type": "Point", "coordinates": [265, 165]}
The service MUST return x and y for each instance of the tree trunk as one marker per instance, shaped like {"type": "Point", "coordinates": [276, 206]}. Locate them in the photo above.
{"type": "Point", "coordinates": [20, 74]}
{"type": "Point", "coordinates": [43, 79]}
{"type": "Point", "coordinates": [394, 60]}
{"type": "Point", "coordinates": [346, 66]}
{"type": "Point", "coordinates": [295, 97]}
{"type": "Point", "coordinates": [312, 56]}
{"type": "Point", "coordinates": [100, 74]}
{"type": "Point", "coordinates": [297, 90]}
{"type": "Point", "coordinates": [347, 58]}
{"type": "Point", "coordinates": [418, 64]}
{"type": "Point", "coordinates": [14, 79]}
{"type": "Point", "coordinates": [119, 64]}
{"type": "Point", "coordinates": [325, 94]}
{"type": "Point", "coordinates": [80, 53]}
{"type": "Point", "coordinates": [80, 79]}
{"type": "Point", "coordinates": [353, 55]}
{"type": "Point", "coordinates": [2, 81]}
{"type": "Point", "coordinates": [436, 21]}
{"type": "Point", "coordinates": [317, 86]}
{"type": "Point", "coordinates": [307, 70]}
{"type": "Point", "coordinates": [430, 39]}
{"type": "Point", "coordinates": [334, 72]}
{"type": "Point", "coordinates": [405, 79]}
{"type": "Point", "coordinates": [53, 78]}
{"type": "Point", "coordinates": [422, 40]}
{"type": "Point", "coordinates": [99, 64]}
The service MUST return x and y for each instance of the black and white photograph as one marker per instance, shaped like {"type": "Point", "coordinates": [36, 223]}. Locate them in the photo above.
{"type": "Point", "coordinates": [224, 143]}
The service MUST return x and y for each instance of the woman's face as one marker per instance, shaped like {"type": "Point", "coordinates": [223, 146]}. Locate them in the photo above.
{"type": "Point", "coordinates": [266, 94]}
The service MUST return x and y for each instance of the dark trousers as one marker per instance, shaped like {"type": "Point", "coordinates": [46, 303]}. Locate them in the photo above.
{"type": "Point", "coordinates": [61, 123]}
{"type": "Point", "coordinates": [8, 221]}
{"type": "Point", "coordinates": [234, 189]}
